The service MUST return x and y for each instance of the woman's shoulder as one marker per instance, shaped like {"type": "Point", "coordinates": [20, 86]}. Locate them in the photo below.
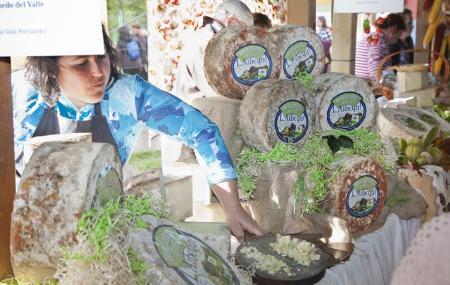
{"type": "Point", "coordinates": [131, 86]}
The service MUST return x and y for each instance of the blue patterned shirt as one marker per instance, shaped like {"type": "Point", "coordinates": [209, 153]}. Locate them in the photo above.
{"type": "Point", "coordinates": [130, 103]}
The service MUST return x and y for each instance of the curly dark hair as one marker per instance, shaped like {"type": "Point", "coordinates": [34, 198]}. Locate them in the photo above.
{"type": "Point", "coordinates": [394, 20]}
{"type": "Point", "coordinates": [41, 71]}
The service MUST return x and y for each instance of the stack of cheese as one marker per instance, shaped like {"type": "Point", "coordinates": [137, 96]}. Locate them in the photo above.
{"type": "Point", "coordinates": [236, 58]}
{"type": "Point", "coordinates": [412, 86]}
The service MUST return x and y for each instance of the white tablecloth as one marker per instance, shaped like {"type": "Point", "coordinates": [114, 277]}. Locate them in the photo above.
{"type": "Point", "coordinates": [375, 255]}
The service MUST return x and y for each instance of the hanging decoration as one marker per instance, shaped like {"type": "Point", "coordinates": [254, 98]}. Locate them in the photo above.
{"type": "Point", "coordinates": [375, 38]}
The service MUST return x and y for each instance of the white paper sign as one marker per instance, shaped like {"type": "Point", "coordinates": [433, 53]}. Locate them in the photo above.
{"type": "Point", "coordinates": [50, 27]}
{"type": "Point", "coordinates": [368, 6]}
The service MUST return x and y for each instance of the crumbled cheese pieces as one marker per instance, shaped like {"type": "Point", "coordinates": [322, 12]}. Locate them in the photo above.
{"type": "Point", "coordinates": [266, 262]}
{"type": "Point", "coordinates": [301, 251]}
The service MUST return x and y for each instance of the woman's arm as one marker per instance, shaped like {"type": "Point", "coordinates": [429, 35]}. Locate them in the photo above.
{"type": "Point", "coordinates": [169, 115]}
{"type": "Point", "coordinates": [237, 217]}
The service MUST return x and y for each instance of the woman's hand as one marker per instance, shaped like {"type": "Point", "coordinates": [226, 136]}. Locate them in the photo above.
{"type": "Point", "coordinates": [238, 219]}
{"type": "Point", "coordinates": [240, 222]}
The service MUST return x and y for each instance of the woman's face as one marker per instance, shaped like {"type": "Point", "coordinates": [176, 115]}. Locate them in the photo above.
{"type": "Point", "coordinates": [392, 34]}
{"type": "Point", "coordinates": [83, 79]}
{"type": "Point", "coordinates": [319, 23]}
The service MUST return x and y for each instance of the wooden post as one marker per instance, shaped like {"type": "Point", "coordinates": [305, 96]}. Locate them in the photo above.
{"type": "Point", "coordinates": [7, 167]}
{"type": "Point", "coordinates": [421, 28]}
{"type": "Point", "coordinates": [344, 43]}
{"type": "Point", "coordinates": [302, 12]}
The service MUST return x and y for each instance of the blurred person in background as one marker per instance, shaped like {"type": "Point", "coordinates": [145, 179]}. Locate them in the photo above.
{"type": "Point", "coordinates": [191, 82]}
{"type": "Point", "coordinates": [141, 36]}
{"type": "Point", "coordinates": [373, 47]}
{"type": "Point", "coordinates": [191, 75]}
{"type": "Point", "coordinates": [324, 32]}
{"type": "Point", "coordinates": [405, 41]}
{"type": "Point", "coordinates": [129, 53]}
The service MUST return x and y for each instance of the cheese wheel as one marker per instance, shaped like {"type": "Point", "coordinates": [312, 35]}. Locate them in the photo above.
{"type": "Point", "coordinates": [61, 181]}
{"type": "Point", "coordinates": [427, 116]}
{"type": "Point", "coordinates": [393, 123]}
{"type": "Point", "coordinates": [346, 102]}
{"type": "Point", "coordinates": [301, 50]}
{"type": "Point", "coordinates": [276, 110]}
{"type": "Point", "coordinates": [176, 256]}
{"type": "Point", "coordinates": [359, 193]}
{"type": "Point", "coordinates": [35, 142]}
{"type": "Point", "coordinates": [236, 58]}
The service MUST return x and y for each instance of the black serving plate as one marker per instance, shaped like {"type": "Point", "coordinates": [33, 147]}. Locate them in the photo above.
{"type": "Point", "coordinates": [301, 274]}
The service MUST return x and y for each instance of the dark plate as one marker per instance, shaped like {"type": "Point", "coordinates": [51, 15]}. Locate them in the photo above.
{"type": "Point", "coordinates": [306, 274]}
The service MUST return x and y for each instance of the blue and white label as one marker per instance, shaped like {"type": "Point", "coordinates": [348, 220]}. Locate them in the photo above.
{"type": "Point", "coordinates": [291, 121]}
{"type": "Point", "coordinates": [362, 197]}
{"type": "Point", "coordinates": [251, 64]}
{"type": "Point", "coordinates": [347, 111]}
{"type": "Point", "coordinates": [299, 58]}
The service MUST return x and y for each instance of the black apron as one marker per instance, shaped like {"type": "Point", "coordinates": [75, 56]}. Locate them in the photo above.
{"type": "Point", "coordinates": [98, 126]}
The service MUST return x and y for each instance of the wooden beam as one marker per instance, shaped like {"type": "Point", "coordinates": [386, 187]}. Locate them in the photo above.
{"type": "Point", "coordinates": [302, 12]}
{"type": "Point", "coordinates": [344, 43]}
{"type": "Point", "coordinates": [7, 167]}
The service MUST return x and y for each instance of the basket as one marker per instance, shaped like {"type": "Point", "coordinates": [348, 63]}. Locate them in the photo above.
{"type": "Point", "coordinates": [388, 92]}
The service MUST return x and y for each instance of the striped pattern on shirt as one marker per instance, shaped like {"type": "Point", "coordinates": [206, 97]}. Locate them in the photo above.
{"type": "Point", "coordinates": [368, 57]}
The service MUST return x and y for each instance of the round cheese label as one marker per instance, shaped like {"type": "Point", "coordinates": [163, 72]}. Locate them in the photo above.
{"type": "Point", "coordinates": [291, 121]}
{"type": "Point", "coordinates": [300, 57]}
{"type": "Point", "coordinates": [108, 187]}
{"type": "Point", "coordinates": [193, 260]}
{"type": "Point", "coordinates": [410, 122]}
{"type": "Point", "coordinates": [362, 196]}
{"type": "Point", "coordinates": [251, 63]}
{"type": "Point", "coordinates": [347, 111]}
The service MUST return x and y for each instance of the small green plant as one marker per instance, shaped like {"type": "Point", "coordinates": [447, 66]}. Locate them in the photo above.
{"type": "Point", "coordinates": [116, 217]}
{"type": "Point", "coordinates": [144, 160]}
{"type": "Point", "coordinates": [443, 111]}
{"type": "Point", "coordinates": [96, 225]}
{"type": "Point", "coordinates": [306, 80]}
{"type": "Point", "coordinates": [250, 161]}
{"type": "Point", "coordinates": [138, 266]}
{"type": "Point", "coordinates": [319, 157]}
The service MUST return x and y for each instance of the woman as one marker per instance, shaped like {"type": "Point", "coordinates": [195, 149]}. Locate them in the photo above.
{"type": "Point", "coordinates": [87, 93]}
{"type": "Point", "coordinates": [372, 48]}
{"type": "Point", "coordinates": [405, 40]}
{"type": "Point", "coordinates": [129, 53]}
{"type": "Point", "coordinates": [324, 33]}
